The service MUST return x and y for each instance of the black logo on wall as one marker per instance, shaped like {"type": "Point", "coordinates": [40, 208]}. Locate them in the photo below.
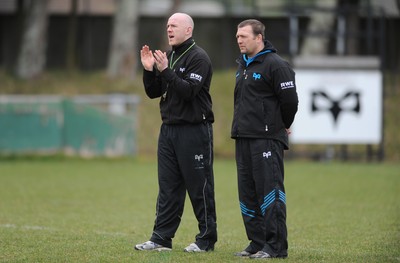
{"type": "Point", "coordinates": [349, 102]}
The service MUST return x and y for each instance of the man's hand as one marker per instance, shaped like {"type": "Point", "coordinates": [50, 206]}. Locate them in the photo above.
{"type": "Point", "coordinates": [161, 60]}
{"type": "Point", "coordinates": [147, 58]}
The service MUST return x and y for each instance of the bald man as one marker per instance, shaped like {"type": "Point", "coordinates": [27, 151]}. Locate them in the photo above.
{"type": "Point", "coordinates": [181, 79]}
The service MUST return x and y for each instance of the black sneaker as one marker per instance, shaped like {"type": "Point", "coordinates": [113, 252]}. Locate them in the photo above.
{"type": "Point", "coordinates": [260, 254]}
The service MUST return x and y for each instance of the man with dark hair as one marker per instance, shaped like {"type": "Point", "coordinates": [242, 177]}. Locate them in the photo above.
{"type": "Point", "coordinates": [181, 79]}
{"type": "Point", "coordinates": [265, 104]}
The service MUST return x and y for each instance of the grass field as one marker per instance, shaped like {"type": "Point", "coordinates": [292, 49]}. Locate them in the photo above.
{"type": "Point", "coordinates": [72, 210]}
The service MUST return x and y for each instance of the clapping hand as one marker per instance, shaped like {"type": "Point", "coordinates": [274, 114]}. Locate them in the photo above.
{"type": "Point", "coordinates": [161, 60]}
{"type": "Point", "coordinates": [147, 58]}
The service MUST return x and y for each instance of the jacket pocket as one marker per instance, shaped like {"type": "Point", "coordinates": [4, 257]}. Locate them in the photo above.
{"type": "Point", "coordinates": [269, 116]}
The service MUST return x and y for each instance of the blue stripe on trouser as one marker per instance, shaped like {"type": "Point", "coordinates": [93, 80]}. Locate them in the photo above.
{"type": "Point", "coordinates": [282, 196]}
{"type": "Point", "coordinates": [268, 200]}
{"type": "Point", "coordinates": [246, 211]}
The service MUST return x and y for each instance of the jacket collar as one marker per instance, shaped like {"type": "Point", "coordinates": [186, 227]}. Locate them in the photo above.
{"type": "Point", "coordinates": [182, 47]}
{"type": "Point", "coordinates": [268, 48]}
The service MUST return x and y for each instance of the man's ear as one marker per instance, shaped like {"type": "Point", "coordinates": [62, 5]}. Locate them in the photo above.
{"type": "Point", "coordinates": [189, 30]}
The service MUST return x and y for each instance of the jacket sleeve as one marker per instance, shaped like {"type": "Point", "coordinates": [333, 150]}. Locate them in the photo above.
{"type": "Point", "coordinates": [196, 73]}
{"type": "Point", "coordinates": [285, 88]}
{"type": "Point", "coordinates": [152, 84]}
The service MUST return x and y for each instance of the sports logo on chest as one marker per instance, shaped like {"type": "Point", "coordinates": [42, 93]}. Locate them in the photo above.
{"type": "Point", "coordinates": [256, 76]}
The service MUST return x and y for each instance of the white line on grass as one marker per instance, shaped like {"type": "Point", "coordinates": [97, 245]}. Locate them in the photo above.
{"type": "Point", "coordinates": [111, 234]}
{"type": "Point", "coordinates": [8, 226]}
{"type": "Point", "coordinates": [54, 229]}
{"type": "Point", "coordinates": [27, 227]}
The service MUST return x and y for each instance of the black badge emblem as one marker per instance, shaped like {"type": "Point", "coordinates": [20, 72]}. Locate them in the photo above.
{"type": "Point", "coordinates": [350, 102]}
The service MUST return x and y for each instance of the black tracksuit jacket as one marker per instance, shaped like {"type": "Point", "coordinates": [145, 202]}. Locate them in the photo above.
{"type": "Point", "coordinates": [184, 93]}
{"type": "Point", "coordinates": [265, 101]}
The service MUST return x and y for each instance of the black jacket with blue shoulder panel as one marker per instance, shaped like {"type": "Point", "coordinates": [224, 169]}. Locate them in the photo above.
{"type": "Point", "coordinates": [265, 98]}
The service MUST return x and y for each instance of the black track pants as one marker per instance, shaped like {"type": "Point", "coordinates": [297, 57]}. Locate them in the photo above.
{"type": "Point", "coordinates": [185, 163]}
{"type": "Point", "coordinates": [262, 194]}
